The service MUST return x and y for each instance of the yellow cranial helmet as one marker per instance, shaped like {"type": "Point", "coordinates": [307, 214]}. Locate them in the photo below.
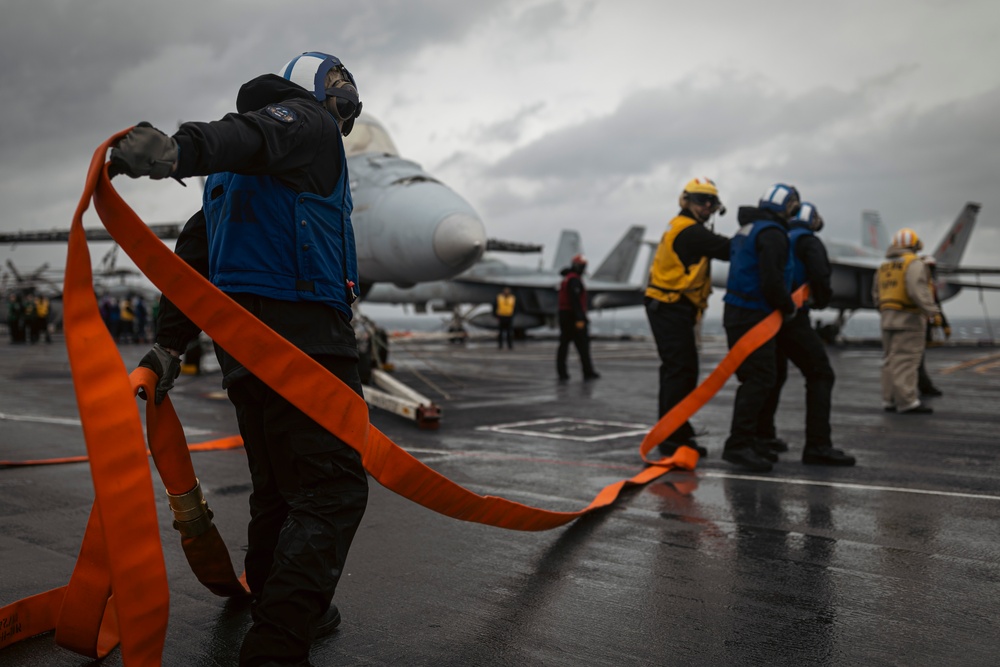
{"type": "Point", "coordinates": [702, 186]}
{"type": "Point", "coordinates": [702, 192]}
{"type": "Point", "coordinates": [906, 238]}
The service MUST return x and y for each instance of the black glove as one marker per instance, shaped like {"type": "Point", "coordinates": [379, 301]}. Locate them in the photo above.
{"type": "Point", "coordinates": [789, 316]}
{"type": "Point", "coordinates": [166, 366]}
{"type": "Point", "coordinates": [145, 151]}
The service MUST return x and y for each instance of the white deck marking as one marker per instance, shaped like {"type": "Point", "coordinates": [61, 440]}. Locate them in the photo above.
{"type": "Point", "coordinates": [521, 428]}
{"type": "Point", "coordinates": [70, 421]}
{"type": "Point", "coordinates": [846, 485]}
{"type": "Point", "coordinates": [711, 473]}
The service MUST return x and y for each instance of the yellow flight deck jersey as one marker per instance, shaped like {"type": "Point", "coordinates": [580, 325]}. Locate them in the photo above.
{"type": "Point", "coordinates": [505, 305]}
{"type": "Point", "coordinates": [892, 294]}
{"type": "Point", "coordinates": [668, 279]}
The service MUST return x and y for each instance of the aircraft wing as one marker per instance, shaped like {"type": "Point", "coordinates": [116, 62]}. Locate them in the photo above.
{"type": "Point", "coordinates": [971, 285]}
{"type": "Point", "coordinates": [973, 270]}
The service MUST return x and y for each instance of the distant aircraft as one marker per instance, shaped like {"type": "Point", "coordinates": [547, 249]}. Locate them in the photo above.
{"type": "Point", "coordinates": [536, 290]}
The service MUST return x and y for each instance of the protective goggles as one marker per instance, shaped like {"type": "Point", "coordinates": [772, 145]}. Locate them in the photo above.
{"type": "Point", "coordinates": [347, 102]}
{"type": "Point", "coordinates": [701, 199]}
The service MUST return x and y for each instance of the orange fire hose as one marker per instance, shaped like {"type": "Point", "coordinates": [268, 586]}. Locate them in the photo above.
{"type": "Point", "coordinates": [118, 591]}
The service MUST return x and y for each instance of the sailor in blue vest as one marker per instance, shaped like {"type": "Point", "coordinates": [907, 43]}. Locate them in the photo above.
{"type": "Point", "coordinates": [274, 233]}
{"type": "Point", "coordinates": [757, 285]}
{"type": "Point", "coordinates": [798, 341]}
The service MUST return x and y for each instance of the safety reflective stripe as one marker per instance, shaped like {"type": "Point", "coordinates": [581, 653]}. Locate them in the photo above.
{"type": "Point", "coordinates": [119, 587]}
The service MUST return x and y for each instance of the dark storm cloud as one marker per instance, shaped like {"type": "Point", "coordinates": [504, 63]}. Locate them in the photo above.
{"type": "Point", "coordinates": [63, 58]}
{"type": "Point", "coordinates": [74, 72]}
{"type": "Point", "coordinates": [839, 144]}
{"type": "Point", "coordinates": [678, 125]}
{"type": "Point", "coordinates": [914, 166]}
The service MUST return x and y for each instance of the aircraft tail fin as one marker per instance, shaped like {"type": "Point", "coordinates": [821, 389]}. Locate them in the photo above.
{"type": "Point", "coordinates": [617, 266]}
{"type": "Point", "coordinates": [873, 233]}
{"type": "Point", "coordinates": [949, 252]}
{"type": "Point", "coordinates": [569, 246]}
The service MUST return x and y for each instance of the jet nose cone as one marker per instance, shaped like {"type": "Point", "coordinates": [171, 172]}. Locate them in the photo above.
{"type": "Point", "coordinates": [459, 240]}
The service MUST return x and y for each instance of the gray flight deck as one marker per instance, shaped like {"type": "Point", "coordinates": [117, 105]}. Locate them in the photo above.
{"type": "Point", "coordinates": [893, 562]}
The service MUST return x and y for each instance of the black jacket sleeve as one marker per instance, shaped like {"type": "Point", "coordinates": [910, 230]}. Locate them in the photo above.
{"type": "Point", "coordinates": [698, 241]}
{"type": "Point", "coordinates": [174, 329]}
{"type": "Point", "coordinates": [772, 253]}
{"type": "Point", "coordinates": [811, 251]}
{"type": "Point", "coordinates": [255, 143]}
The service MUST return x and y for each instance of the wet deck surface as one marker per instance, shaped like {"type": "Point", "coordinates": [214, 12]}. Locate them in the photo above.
{"type": "Point", "coordinates": [893, 562]}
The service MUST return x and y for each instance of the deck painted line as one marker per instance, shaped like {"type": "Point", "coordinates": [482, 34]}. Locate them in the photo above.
{"type": "Point", "coordinates": [69, 421]}
{"type": "Point", "coordinates": [705, 473]}
{"type": "Point", "coordinates": [524, 428]}
{"type": "Point", "coordinates": [845, 485]}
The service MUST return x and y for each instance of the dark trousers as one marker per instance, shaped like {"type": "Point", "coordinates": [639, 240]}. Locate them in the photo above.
{"type": "Point", "coordinates": [925, 385]}
{"type": "Point", "coordinates": [799, 343]}
{"type": "Point", "coordinates": [505, 331]}
{"type": "Point", "coordinates": [673, 327]}
{"type": "Point", "coordinates": [309, 494]}
{"type": "Point", "coordinates": [765, 423]}
{"type": "Point", "coordinates": [568, 332]}
{"type": "Point", "coordinates": [758, 377]}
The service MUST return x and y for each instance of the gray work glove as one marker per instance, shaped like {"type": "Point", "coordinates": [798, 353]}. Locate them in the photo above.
{"type": "Point", "coordinates": [145, 151]}
{"type": "Point", "coordinates": [166, 366]}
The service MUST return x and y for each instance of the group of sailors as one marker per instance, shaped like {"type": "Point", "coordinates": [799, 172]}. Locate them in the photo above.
{"type": "Point", "coordinates": [127, 318]}
{"type": "Point", "coordinates": [775, 252]}
{"type": "Point", "coordinates": [28, 318]}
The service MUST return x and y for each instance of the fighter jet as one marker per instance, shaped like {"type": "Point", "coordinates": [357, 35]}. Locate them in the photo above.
{"type": "Point", "coordinates": [536, 289]}
{"type": "Point", "coordinates": [409, 227]}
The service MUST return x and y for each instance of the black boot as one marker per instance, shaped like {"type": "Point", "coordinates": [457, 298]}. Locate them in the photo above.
{"type": "Point", "coordinates": [746, 458]}
{"type": "Point", "coordinates": [329, 622]}
{"type": "Point", "coordinates": [774, 444]}
{"type": "Point", "coordinates": [826, 456]}
{"type": "Point", "coordinates": [764, 451]}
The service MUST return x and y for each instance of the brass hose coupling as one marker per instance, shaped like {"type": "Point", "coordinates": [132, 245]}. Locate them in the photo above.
{"type": "Point", "coordinates": [191, 514]}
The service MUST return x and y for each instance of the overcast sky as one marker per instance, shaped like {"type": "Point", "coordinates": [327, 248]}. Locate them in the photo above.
{"type": "Point", "coordinates": [545, 114]}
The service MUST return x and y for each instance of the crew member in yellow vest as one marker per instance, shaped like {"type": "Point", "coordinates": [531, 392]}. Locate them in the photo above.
{"type": "Point", "coordinates": [901, 290]}
{"type": "Point", "coordinates": [127, 319]}
{"type": "Point", "coordinates": [41, 321]}
{"type": "Point", "coordinates": [677, 295]}
{"type": "Point", "coordinates": [504, 311]}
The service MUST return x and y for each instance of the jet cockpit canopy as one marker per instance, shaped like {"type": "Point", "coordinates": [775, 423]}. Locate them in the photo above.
{"type": "Point", "coordinates": [368, 136]}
